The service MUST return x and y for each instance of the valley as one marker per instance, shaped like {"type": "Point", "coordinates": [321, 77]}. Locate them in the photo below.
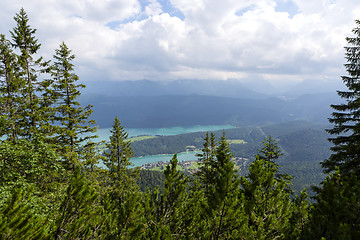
{"type": "Point", "coordinates": [304, 146]}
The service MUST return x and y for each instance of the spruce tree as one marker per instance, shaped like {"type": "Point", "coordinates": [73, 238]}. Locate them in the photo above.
{"type": "Point", "coordinates": [9, 91]}
{"type": "Point", "coordinates": [165, 214]}
{"type": "Point", "coordinates": [72, 124]}
{"type": "Point", "coordinates": [23, 37]}
{"type": "Point", "coordinates": [119, 151]}
{"type": "Point", "coordinates": [335, 213]}
{"type": "Point", "coordinates": [346, 117]}
{"type": "Point", "coordinates": [124, 194]}
{"type": "Point", "coordinates": [267, 200]}
{"type": "Point", "coordinates": [223, 209]}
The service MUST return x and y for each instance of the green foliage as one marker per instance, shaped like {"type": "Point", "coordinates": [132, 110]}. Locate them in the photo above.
{"type": "Point", "coordinates": [78, 214]}
{"type": "Point", "coordinates": [124, 196]}
{"type": "Point", "coordinates": [299, 216]}
{"type": "Point", "coordinates": [346, 118]}
{"type": "Point", "coordinates": [71, 120]}
{"type": "Point", "coordinates": [164, 213]}
{"type": "Point", "coordinates": [120, 151]}
{"type": "Point", "coordinates": [19, 221]}
{"type": "Point", "coordinates": [28, 162]}
{"type": "Point", "coordinates": [335, 215]}
{"type": "Point", "coordinates": [267, 201]}
{"type": "Point", "coordinates": [150, 179]}
{"type": "Point", "coordinates": [9, 90]}
{"type": "Point", "coordinates": [223, 208]}
{"type": "Point", "coordinates": [24, 39]}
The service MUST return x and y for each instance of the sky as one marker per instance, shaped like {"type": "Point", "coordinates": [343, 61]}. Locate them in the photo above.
{"type": "Point", "coordinates": [281, 41]}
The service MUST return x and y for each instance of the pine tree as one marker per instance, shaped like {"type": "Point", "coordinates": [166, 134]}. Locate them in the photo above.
{"type": "Point", "coordinates": [72, 121]}
{"type": "Point", "coordinates": [346, 117]}
{"type": "Point", "coordinates": [124, 194]}
{"type": "Point", "coordinates": [299, 217]}
{"type": "Point", "coordinates": [9, 90]}
{"type": "Point", "coordinates": [223, 211]}
{"type": "Point", "coordinates": [267, 200]}
{"type": "Point", "coordinates": [19, 221]}
{"type": "Point", "coordinates": [78, 216]}
{"type": "Point", "coordinates": [335, 214]}
{"type": "Point", "coordinates": [119, 150]}
{"type": "Point", "coordinates": [207, 159]}
{"type": "Point", "coordinates": [165, 213]}
{"type": "Point", "coordinates": [23, 37]}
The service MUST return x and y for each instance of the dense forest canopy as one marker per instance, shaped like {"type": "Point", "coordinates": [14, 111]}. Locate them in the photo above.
{"type": "Point", "coordinates": [51, 186]}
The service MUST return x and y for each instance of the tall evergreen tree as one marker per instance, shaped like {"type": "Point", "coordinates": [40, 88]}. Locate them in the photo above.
{"type": "Point", "coordinates": [335, 214]}
{"type": "Point", "coordinates": [119, 150]}
{"type": "Point", "coordinates": [165, 213]}
{"type": "Point", "coordinates": [223, 211]}
{"type": "Point", "coordinates": [124, 194]}
{"type": "Point", "coordinates": [23, 37]}
{"type": "Point", "coordinates": [207, 159]}
{"type": "Point", "coordinates": [73, 126]}
{"type": "Point", "coordinates": [346, 117]}
{"type": "Point", "coordinates": [267, 200]}
{"type": "Point", "coordinates": [9, 90]}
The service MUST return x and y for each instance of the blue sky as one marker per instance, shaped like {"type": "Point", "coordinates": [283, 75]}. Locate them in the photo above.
{"type": "Point", "coordinates": [280, 41]}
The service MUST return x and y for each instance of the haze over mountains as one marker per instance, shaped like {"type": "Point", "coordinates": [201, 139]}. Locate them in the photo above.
{"type": "Point", "coordinates": [194, 102]}
{"type": "Point", "coordinates": [228, 88]}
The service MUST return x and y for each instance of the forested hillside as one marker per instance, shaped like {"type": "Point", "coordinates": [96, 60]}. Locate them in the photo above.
{"type": "Point", "coordinates": [304, 146]}
{"type": "Point", "coordinates": [51, 186]}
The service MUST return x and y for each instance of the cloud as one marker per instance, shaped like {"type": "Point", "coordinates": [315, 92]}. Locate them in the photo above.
{"type": "Point", "coordinates": [197, 39]}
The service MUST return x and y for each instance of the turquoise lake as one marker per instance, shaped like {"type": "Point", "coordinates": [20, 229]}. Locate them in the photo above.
{"type": "Point", "coordinates": [186, 156]}
{"type": "Point", "coordinates": [104, 134]}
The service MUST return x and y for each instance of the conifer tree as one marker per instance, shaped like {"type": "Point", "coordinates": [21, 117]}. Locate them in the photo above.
{"type": "Point", "coordinates": [19, 221]}
{"type": "Point", "coordinates": [124, 194]}
{"type": "Point", "coordinates": [9, 90]}
{"type": "Point", "coordinates": [72, 120]}
{"type": "Point", "coordinates": [23, 37]}
{"type": "Point", "coordinates": [267, 200]}
{"type": "Point", "coordinates": [299, 217]}
{"type": "Point", "coordinates": [335, 214]}
{"type": "Point", "coordinates": [223, 209]}
{"type": "Point", "coordinates": [78, 216]}
{"type": "Point", "coordinates": [346, 117]}
{"type": "Point", "coordinates": [165, 213]}
{"type": "Point", "coordinates": [207, 159]}
{"type": "Point", "coordinates": [119, 150]}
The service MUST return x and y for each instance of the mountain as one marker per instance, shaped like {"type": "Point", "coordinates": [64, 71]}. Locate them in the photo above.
{"type": "Point", "coordinates": [248, 88]}
{"type": "Point", "coordinates": [228, 88]}
{"type": "Point", "coordinates": [186, 110]}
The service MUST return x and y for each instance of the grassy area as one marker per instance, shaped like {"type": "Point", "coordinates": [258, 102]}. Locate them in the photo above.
{"type": "Point", "coordinates": [236, 141]}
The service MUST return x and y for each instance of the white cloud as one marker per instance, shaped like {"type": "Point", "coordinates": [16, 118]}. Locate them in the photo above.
{"type": "Point", "coordinates": [229, 39]}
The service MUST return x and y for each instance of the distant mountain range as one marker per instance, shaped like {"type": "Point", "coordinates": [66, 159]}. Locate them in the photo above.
{"type": "Point", "coordinates": [185, 110]}
{"type": "Point", "coordinates": [258, 89]}
{"type": "Point", "coordinates": [174, 88]}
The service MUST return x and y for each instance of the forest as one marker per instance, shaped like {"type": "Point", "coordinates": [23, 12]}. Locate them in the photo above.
{"type": "Point", "coordinates": [51, 186]}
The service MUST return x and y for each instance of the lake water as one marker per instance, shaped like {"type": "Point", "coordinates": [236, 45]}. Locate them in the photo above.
{"type": "Point", "coordinates": [186, 156]}
{"type": "Point", "coordinates": [104, 134]}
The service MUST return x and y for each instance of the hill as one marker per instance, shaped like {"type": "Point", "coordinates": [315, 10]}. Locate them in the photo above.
{"type": "Point", "coordinates": [304, 145]}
